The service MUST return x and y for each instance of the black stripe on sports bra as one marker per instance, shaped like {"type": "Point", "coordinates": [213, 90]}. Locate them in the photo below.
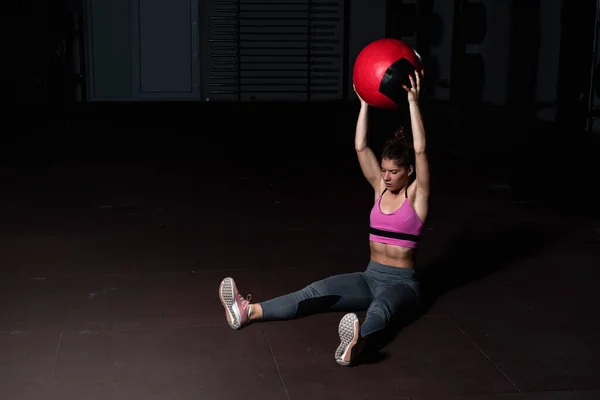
{"type": "Point", "coordinates": [395, 235]}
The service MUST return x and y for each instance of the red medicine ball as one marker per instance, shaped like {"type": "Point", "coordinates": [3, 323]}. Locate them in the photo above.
{"type": "Point", "coordinates": [381, 69]}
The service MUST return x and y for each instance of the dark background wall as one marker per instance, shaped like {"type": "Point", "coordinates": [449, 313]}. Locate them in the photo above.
{"type": "Point", "coordinates": [472, 139]}
{"type": "Point", "coordinates": [49, 54]}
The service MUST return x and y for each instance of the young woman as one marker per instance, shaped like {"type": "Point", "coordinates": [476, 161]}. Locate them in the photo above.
{"type": "Point", "coordinates": [387, 289]}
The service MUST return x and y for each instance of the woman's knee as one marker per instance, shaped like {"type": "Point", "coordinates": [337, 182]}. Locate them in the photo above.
{"type": "Point", "coordinates": [313, 290]}
{"type": "Point", "coordinates": [396, 306]}
{"type": "Point", "coordinates": [382, 309]}
{"type": "Point", "coordinates": [347, 284]}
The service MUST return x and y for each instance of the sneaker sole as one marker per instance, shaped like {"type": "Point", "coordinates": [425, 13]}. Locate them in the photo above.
{"type": "Point", "coordinates": [348, 331]}
{"type": "Point", "coordinates": [226, 294]}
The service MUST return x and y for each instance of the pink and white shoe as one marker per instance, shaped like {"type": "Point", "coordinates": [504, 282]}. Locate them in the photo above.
{"type": "Point", "coordinates": [351, 343]}
{"type": "Point", "coordinates": [237, 309]}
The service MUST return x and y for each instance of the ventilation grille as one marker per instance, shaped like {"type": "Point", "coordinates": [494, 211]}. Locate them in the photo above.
{"type": "Point", "coordinates": [275, 50]}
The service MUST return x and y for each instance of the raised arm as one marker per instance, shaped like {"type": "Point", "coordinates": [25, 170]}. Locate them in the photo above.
{"type": "Point", "coordinates": [419, 141]}
{"type": "Point", "coordinates": [367, 159]}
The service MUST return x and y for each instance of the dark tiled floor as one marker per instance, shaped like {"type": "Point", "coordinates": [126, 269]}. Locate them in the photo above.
{"type": "Point", "coordinates": [109, 291]}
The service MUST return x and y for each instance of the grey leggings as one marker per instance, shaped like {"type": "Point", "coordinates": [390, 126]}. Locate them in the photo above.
{"type": "Point", "coordinates": [385, 292]}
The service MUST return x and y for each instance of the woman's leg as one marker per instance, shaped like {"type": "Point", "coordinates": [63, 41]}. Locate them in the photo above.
{"type": "Point", "coordinates": [335, 293]}
{"type": "Point", "coordinates": [396, 300]}
{"type": "Point", "coordinates": [392, 304]}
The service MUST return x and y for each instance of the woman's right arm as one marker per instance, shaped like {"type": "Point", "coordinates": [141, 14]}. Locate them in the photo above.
{"type": "Point", "coordinates": [368, 162]}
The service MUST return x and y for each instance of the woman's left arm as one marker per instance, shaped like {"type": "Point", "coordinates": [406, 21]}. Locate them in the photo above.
{"type": "Point", "coordinates": [418, 132]}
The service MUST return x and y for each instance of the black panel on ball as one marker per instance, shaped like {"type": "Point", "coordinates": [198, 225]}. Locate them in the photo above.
{"type": "Point", "coordinates": [393, 79]}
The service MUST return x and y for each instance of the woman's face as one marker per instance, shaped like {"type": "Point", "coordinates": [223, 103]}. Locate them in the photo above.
{"type": "Point", "coordinates": [395, 176]}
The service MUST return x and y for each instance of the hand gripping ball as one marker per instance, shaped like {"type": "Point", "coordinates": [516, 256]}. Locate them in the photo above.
{"type": "Point", "coordinates": [381, 69]}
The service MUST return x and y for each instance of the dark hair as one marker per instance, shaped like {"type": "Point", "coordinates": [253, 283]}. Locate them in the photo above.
{"type": "Point", "coordinates": [399, 149]}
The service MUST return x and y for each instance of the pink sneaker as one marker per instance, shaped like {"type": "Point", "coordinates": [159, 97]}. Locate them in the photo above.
{"type": "Point", "coordinates": [237, 309]}
{"type": "Point", "coordinates": [351, 343]}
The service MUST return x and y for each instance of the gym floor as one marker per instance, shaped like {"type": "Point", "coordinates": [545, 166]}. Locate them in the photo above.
{"type": "Point", "coordinates": [110, 271]}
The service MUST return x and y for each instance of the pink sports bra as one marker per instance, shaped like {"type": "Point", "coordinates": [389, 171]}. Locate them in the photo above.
{"type": "Point", "coordinates": [401, 228]}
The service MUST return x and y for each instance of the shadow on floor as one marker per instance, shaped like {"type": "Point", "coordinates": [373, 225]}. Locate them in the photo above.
{"type": "Point", "coordinates": [475, 254]}
{"type": "Point", "coordinates": [470, 256]}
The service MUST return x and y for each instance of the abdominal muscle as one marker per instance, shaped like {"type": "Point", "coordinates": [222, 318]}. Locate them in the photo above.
{"type": "Point", "coordinates": [393, 256]}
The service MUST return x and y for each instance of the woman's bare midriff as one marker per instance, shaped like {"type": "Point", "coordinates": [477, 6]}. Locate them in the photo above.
{"type": "Point", "coordinates": [394, 256]}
